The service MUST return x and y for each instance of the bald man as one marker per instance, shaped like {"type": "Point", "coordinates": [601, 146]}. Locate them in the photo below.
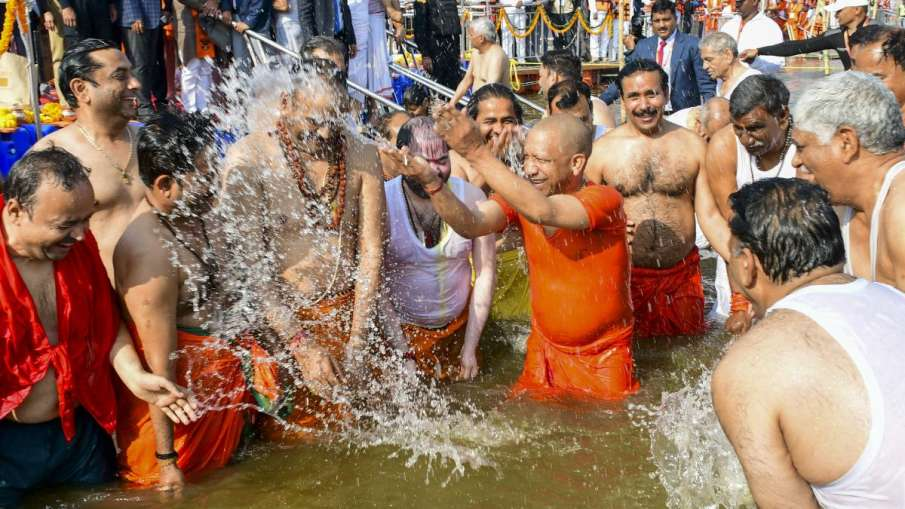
{"type": "Point", "coordinates": [713, 117]}
{"type": "Point", "coordinates": [575, 242]}
{"type": "Point", "coordinates": [656, 165]}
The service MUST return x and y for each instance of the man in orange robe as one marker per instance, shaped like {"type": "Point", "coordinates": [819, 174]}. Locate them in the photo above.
{"type": "Point", "coordinates": [168, 306]}
{"type": "Point", "coordinates": [574, 236]}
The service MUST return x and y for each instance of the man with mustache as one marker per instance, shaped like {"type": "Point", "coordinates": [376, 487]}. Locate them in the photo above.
{"type": "Point", "coordinates": [97, 81]}
{"type": "Point", "coordinates": [756, 146]}
{"type": "Point", "coordinates": [574, 235]}
{"type": "Point", "coordinates": [167, 276]}
{"type": "Point", "coordinates": [657, 166]}
{"type": "Point", "coordinates": [312, 195]}
{"type": "Point", "coordinates": [60, 333]}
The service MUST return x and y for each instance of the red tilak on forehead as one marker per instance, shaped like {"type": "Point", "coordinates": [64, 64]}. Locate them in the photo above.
{"type": "Point", "coordinates": [428, 144]}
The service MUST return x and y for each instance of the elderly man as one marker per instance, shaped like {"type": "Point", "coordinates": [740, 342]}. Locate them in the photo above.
{"type": "Point", "coordinates": [167, 276]}
{"type": "Point", "coordinates": [60, 331]}
{"type": "Point", "coordinates": [574, 234]}
{"type": "Point", "coordinates": [713, 116]}
{"type": "Point", "coordinates": [428, 275]}
{"type": "Point", "coordinates": [720, 55]}
{"type": "Point", "coordinates": [751, 28]}
{"type": "Point", "coordinates": [560, 65]}
{"type": "Point", "coordinates": [880, 50]}
{"type": "Point", "coordinates": [489, 63]}
{"type": "Point", "coordinates": [812, 397]}
{"type": "Point", "coordinates": [97, 80]}
{"type": "Point", "coordinates": [849, 140]}
{"type": "Point", "coordinates": [657, 166]}
{"type": "Point", "coordinates": [313, 194]}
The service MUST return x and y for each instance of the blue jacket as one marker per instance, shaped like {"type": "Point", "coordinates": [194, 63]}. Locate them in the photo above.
{"type": "Point", "coordinates": [689, 81]}
{"type": "Point", "coordinates": [254, 13]}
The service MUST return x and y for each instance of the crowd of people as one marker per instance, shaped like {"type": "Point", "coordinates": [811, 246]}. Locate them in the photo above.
{"type": "Point", "coordinates": [115, 267]}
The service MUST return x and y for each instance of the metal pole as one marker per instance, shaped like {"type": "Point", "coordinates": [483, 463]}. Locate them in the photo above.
{"type": "Point", "coordinates": [28, 38]}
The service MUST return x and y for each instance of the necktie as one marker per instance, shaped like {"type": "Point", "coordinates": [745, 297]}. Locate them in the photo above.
{"type": "Point", "coordinates": [660, 51]}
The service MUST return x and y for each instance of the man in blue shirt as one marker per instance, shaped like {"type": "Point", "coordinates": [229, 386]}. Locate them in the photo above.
{"type": "Point", "coordinates": [251, 15]}
{"type": "Point", "coordinates": [678, 55]}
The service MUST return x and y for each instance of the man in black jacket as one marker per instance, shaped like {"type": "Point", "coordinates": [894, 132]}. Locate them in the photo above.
{"type": "Point", "coordinates": [319, 17]}
{"type": "Point", "coordinates": [851, 15]}
{"type": "Point", "coordinates": [437, 36]}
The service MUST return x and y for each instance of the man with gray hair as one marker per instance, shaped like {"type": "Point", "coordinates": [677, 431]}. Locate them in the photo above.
{"type": "Point", "coordinates": [720, 55]}
{"type": "Point", "coordinates": [849, 139]}
{"type": "Point", "coordinates": [489, 63]}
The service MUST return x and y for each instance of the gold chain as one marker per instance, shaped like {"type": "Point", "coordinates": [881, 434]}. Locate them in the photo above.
{"type": "Point", "coordinates": [127, 179]}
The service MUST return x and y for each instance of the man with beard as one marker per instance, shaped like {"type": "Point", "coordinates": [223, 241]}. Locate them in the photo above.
{"type": "Point", "coordinates": [880, 50]}
{"type": "Point", "coordinates": [96, 79]}
{"type": "Point", "coordinates": [167, 276]}
{"type": "Point", "coordinates": [318, 193]}
{"type": "Point", "coordinates": [812, 398]}
{"type": "Point", "coordinates": [60, 332]}
{"type": "Point", "coordinates": [658, 168]}
{"type": "Point", "coordinates": [849, 139]}
{"type": "Point", "coordinates": [758, 145]}
{"type": "Point", "coordinates": [575, 240]}
{"type": "Point", "coordinates": [430, 297]}
{"type": "Point", "coordinates": [720, 55]}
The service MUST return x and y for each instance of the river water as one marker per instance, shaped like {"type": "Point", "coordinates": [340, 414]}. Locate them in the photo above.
{"type": "Point", "coordinates": [661, 447]}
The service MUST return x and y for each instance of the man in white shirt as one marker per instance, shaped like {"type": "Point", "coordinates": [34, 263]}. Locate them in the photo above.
{"type": "Point", "coordinates": [518, 22]}
{"type": "Point", "coordinates": [751, 28]}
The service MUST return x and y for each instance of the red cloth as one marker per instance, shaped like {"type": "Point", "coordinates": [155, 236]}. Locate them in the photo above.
{"type": "Point", "coordinates": [581, 325]}
{"type": "Point", "coordinates": [87, 324]}
{"type": "Point", "coordinates": [669, 302]}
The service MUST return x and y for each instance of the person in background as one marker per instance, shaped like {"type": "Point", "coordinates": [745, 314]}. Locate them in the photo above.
{"type": "Point", "coordinates": [677, 53]}
{"type": "Point", "coordinates": [561, 12]}
{"type": "Point", "coordinates": [245, 15]}
{"type": "Point", "coordinates": [329, 18]}
{"type": "Point", "coordinates": [417, 100]}
{"type": "Point", "coordinates": [879, 50]}
{"type": "Point", "coordinates": [851, 15]}
{"type": "Point", "coordinates": [574, 98]}
{"type": "Point", "coordinates": [714, 115]}
{"type": "Point", "coordinates": [751, 28]}
{"type": "Point", "coordinates": [489, 63]}
{"type": "Point", "coordinates": [195, 52]}
{"type": "Point", "coordinates": [437, 29]}
{"type": "Point", "coordinates": [518, 22]}
{"type": "Point", "coordinates": [720, 55]}
{"type": "Point", "coordinates": [75, 20]}
{"type": "Point", "coordinates": [142, 32]}
{"type": "Point", "coordinates": [388, 128]}
{"type": "Point", "coordinates": [368, 67]}
{"type": "Point", "coordinates": [559, 65]}
{"type": "Point", "coordinates": [603, 45]}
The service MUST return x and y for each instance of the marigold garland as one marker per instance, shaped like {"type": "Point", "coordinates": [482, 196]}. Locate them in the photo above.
{"type": "Point", "coordinates": [9, 21]}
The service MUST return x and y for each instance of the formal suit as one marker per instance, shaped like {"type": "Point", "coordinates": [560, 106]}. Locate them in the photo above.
{"type": "Point", "coordinates": [318, 17]}
{"type": "Point", "coordinates": [689, 83]}
{"type": "Point", "coordinates": [437, 30]}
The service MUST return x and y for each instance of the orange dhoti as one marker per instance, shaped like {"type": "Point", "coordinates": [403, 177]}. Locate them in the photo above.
{"type": "Point", "coordinates": [329, 324]}
{"type": "Point", "coordinates": [669, 302]}
{"type": "Point", "coordinates": [213, 373]}
{"type": "Point", "coordinates": [437, 351]}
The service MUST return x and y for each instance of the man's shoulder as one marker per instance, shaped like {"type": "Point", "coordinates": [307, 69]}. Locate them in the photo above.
{"type": "Point", "coordinates": [61, 138]}
{"type": "Point", "coordinates": [141, 241]}
{"type": "Point", "coordinates": [722, 144]}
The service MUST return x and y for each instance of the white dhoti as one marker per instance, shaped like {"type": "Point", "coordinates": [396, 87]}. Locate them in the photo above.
{"type": "Point", "coordinates": [195, 80]}
{"type": "Point", "coordinates": [514, 46]}
{"type": "Point", "coordinates": [600, 44]}
{"type": "Point", "coordinates": [369, 66]}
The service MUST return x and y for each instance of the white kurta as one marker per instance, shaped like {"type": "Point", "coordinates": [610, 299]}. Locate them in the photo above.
{"type": "Point", "coordinates": [759, 32]}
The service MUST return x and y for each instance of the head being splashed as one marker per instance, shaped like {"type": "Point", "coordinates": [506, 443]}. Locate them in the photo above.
{"type": "Point", "coordinates": [419, 136]}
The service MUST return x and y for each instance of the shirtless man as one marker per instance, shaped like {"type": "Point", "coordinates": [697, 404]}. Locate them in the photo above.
{"type": "Point", "coordinates": [849, 141]}
{"type": "Point", "coordinates": [489, 63]}
{"type": "Point", "coordinates": [60, 331]}
{"type": "Point", "coordinates": [561, 64]}
{"type": "Point", "coordinates": [757, 145]}
{"type": "Point", "coordinates": [880, 50]}
{"type": "Point", "coordinates": [96, 79]}
{"type": "Point", "coordinates": [657, 166]}
{"type": "Point", "coordinates": [169, 307]}
{"type": "Point", "coordinates": [719, 52]}
{"type": "Point", "coordinates": [320, 192]}
{"type": "Point", "coordinates": [499, 119]}
{"type": "Point", "coordinates": [812, 397]}
{"type": "Point", "coordinates": [574, 97]}
{"type": "Point", "coordinates": [388, 127]}
{"type": "Point", "coordinates": [713, 116]}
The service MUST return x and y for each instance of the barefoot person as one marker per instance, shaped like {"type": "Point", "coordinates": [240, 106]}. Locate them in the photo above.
{"type": "Point", "coordinates": [812, 397]}
{"type": "Point", "coordinates": [758, 145]}
{"type": "Point", "coordinates": [428, 266]}
{"type": "Point", "coordinates": [849, 140]}
{"type": "Point", "coordinates": [317, 193]}
{"type": "Point", "coordinates": [574, 234]}
{"type": "Point", "coordinates": [880, 50]}
{"type": "Point", "coordinates": [60, 332]}
{"type": "Point", "coordinates": [97, 81]}
{"type": "Point", "coordinates": [166, 275]}
{"type": "Point", "coordinates": [489, 63]}
{"type": "Point", "coordinates": [657, 167]}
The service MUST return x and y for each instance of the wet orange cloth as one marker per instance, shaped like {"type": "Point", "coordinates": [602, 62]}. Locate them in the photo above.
{"type": "Point", "coordinates": [581, 325]}
{"type": "Point", "coordinates": [213, 373]}
{"type": "Point", "coordinates": [669, 302]}
{"type": "Point", "coordinates": [437, 351]}
{"type": "Point", "coordinates": [329, 323]}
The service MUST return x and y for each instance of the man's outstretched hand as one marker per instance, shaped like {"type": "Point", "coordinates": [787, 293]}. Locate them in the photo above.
{"type": "Point", "coordinates": [172, 400]}
{"type": "Point", "coordinates": [412, 166]}
{"type": "Point", "coordinates": [459, 130]}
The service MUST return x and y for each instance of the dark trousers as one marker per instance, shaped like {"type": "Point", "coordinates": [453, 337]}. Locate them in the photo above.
{"type": "Point", "coordinates": [92, 19]}
{"type": "Point", "coordinates": [446, 60]}
{"type": "Point", "coordinates": [142, 50]}
{"type": "Point", "coordinates": [560, 41]}
{"type": "Point", "coordinates": [33, 456]}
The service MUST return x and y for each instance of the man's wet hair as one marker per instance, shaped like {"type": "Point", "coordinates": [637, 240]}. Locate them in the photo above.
{"type": "Point", "coordinates": [418, 134]}
{"type": "Point", "coordinates": [330, 45]}
{"type": "Point", "coordinates": [415, 95]}
{"type": "Point", "coordinates": [54, 163]}
{"type": "Point", "coordinates": [642, 65]}
{"type": "Point", "coordinates": [789, 225]}
{"type": "Point", "coordinates": [566, 94]}
{"type": "Point", "coordinates": [493, 91]}
{"type": "Point", "coordinates": [383, 124]}
{"type": "Point", "coordinates": [662, 6]}
{"type": "Point", "coordinates": [169, 143]}
{"type": "Point", "coordinates": [893, 40]}
{"type": "Point", "coordinates": [77, 62]}
{"type": "Point", "coordinates": [759, 90]}
{"type": "Point", "coordinates": [563, 62]}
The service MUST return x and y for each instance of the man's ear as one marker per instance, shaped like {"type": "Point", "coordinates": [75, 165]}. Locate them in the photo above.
{"type": "Point", "coordinates": [15, 210]}
{"type": "Point", "coordinates": [847, 143]}
{"type": "Point", "coordinates": [578, 163]}
{"type": "Point", "coordinates": [749, 266]}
